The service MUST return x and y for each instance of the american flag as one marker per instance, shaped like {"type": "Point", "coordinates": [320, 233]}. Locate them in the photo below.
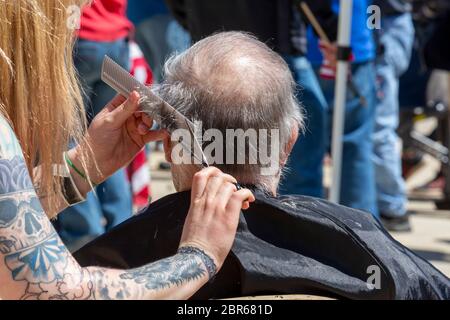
{"type": "Point", "coordinates": [138, 171]}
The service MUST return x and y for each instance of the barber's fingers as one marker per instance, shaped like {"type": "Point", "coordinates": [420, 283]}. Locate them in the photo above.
{"type": "Point", "coordinates": [200, 181]}
{"type": "Point", "coordinates": [216, 182]}
{"type": "Point", "coordinates": [144, 122]}
{"type": "Point", "coordinates": [240, 200]}
{"type": "Point", "coordinates": [142, 128]}
{"type": "Point", "coordinates": [146, 119]}
{"type": "Point", "coordinates": [224, 195]}
{"type": "Point", "coordinates": [211, 189]}
{"type": "Point", "coordinates": [154, 135]}
{"type": "Point", "coordinates": [121, 112]}
{"type": "Point", "coordinates": [118, 100]}
{"type": "Point", "coordinates": [213, 192]}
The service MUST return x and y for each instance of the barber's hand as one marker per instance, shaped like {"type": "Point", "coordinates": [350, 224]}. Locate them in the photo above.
{"type": "Point", "coordinates": [116, 135]}
{"type": "Point", "coordinates": [213, 216]}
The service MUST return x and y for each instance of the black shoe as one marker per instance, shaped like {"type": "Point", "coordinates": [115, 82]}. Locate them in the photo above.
{"type": "Point", "coordinates": [164, 166]}
{"type": "Point", "coordinates": [397, 224]}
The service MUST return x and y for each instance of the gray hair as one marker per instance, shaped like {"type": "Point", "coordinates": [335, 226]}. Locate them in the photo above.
{"type": "Point", "coordinates": [231, 80]}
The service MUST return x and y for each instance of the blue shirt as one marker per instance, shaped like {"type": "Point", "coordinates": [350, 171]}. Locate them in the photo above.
{"type": "Point", "coordinates": [139, 10]}
{"type": "Point", "coordinates": [362, 41]}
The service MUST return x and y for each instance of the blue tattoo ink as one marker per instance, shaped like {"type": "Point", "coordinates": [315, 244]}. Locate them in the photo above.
{"type": "Point", "coordinates": [45, 262]}
{"type": "Point", "coordinates": [9, 146]}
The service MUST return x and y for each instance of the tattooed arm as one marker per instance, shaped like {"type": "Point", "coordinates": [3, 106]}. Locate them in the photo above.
{"type": "Point", "coordinates": [34, 263]}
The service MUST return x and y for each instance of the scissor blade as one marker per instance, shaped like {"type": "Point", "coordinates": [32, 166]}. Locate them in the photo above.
{"type": "Point", "coordinates": [197, 146]}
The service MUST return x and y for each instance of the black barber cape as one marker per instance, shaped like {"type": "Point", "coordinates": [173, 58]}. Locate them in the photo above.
{"type": "Point", "coordinates": [284, 245]}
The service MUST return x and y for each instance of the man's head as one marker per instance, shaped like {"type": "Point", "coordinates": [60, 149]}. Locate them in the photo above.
{"type": "Point", "coordinates": [233, 81]}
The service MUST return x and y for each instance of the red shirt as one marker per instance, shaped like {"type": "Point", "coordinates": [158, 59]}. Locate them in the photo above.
{"type": "Point", "coordinates": [105, 20]}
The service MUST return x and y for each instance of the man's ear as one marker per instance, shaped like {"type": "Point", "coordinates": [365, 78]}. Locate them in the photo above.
{"type": "Point", "coordinates": [168, 148]}
{"type": "Point", "coordinates": [290, 145]}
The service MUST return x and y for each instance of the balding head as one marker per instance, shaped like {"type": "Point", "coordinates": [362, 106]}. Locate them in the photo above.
{"type": "Point", "coordinates": [233, 81]}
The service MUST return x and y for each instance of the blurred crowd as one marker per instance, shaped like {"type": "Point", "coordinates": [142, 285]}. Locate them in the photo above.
{"type": "Point", "coordinates": [400, 58]}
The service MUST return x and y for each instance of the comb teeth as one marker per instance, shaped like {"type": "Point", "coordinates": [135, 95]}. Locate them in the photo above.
{"type": "Point", "coordinates": [118, 78]}
{"type": "Point", "coordinates": [167, 116]}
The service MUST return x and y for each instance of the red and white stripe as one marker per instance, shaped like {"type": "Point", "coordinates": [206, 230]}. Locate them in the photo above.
{"type": "Point", "coordinates": [138, 170]}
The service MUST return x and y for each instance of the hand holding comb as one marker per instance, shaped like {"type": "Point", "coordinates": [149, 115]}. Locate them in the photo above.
{"type": "Point", "coordinates": [159, 110]}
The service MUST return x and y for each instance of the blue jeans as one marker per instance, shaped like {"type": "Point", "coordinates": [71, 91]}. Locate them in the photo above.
{"type": "Point", "coordinates": [358, 178]}
{"type": "Point", "coordinates": [158, 37]}
{"type": "Point", "coordinates": [305, 166]}
{"type": "Point", "coordinates": [112, 202]}
{"type": "Point", "coordinates": [397, 38]}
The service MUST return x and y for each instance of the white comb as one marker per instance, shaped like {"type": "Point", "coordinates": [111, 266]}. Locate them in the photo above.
{"type": "Point", "coordinates": [163, 113]}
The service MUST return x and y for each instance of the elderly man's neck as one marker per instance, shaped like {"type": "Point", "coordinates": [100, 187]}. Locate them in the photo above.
{"type": "Point", "coordinates": [269, 186]}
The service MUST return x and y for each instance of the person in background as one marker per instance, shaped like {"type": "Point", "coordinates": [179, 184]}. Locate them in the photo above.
{"type": "Point", "coordinates": [430, 55]}
{"type": "Point", "coordinates": [104, 30]}
{"type": "Point", "coordinates": [281, 25]}
{"type": "Point", "coordinates": [306, 162]}
{"type": "Point", "coordinates": [395, 40]}
{"type": "Point", "coordinates": [157, 33]}
{"type": "Point", "coordinates": [358, 178]}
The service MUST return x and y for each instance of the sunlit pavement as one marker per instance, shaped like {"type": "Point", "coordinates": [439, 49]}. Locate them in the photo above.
{"type": "Point", "coordinates": [430, 237]}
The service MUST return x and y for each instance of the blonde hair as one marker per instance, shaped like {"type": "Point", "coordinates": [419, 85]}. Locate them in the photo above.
{"type": "Point", "coordinates": [39, 92]}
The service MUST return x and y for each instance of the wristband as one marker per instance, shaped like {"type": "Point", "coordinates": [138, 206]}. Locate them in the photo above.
{"type": "Point", "coordinates": [70, 192]}
{"type": "Point", "coordinates": [70, 163]}
{"type": "Point", "coordinates": [78, 171]}
{"type": "Point", "coordinates": [206, 259]}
